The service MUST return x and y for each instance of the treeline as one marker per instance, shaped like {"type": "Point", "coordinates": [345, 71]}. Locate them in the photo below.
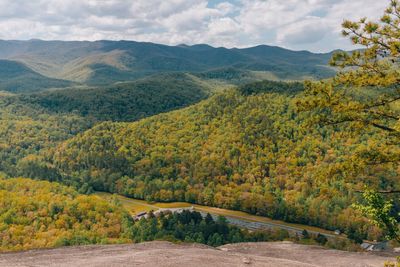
{"type": "Point", "coordinates": [271, 87]}
{"type": "Point", "coordinates": [39, 214]}
{"type": "Point", "coordinates": [191, 226]}
{"type": "Point", "coordinates": [26, 129]}
{"type": "Point", "coordinates": [194, 227]}
{"type": "Point", "coordinates": [30, 123]}
{"type": "Point", "coordinates": [249, 150]}
{"type": "Point", "coordinates": [254, 153]}
{"type": "Point", "coordinates": [127, 101]}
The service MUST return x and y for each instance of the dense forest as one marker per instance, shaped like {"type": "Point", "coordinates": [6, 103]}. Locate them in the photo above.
{"type": "Point", "coordinates": [252, 152]}
{"type": "Point", "coordinates": [323, 153]}
{"type": "Point", "coordinates": [34, 122]}
{"type": "Point", "coordinates": [39, 214]}
{"type": "Point", "coordinates": [248, 149]}
{"type": "Point", "coordinates": [26, 128]}
{"type": "Point", "coordinates": [127, 101]}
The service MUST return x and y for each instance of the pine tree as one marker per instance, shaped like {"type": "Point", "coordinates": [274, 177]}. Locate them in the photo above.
{"type": "Point", "coordinates": [365, 94]}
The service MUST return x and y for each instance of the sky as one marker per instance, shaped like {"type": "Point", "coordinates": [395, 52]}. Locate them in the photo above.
{"type": "Point", "coordinates": [313, 25]}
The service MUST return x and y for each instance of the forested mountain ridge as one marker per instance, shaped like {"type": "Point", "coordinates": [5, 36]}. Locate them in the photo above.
{"type": "Point", "coordinates": [100, 128]}
{"type": "Point", "coordinates": [36, 121]}
{"type": "Point", "coordinates": [18, 78]}
{"type": "Point", "coordinates": [246, 149]}
{"type": "Point", "coordinates": [240, 150]}
{"type": "Point", "coordinates": [106, 62]}
{"type": "Point", "coordinates": [27, 128]}
{"type": "Point", "coordinates": [128, 101]}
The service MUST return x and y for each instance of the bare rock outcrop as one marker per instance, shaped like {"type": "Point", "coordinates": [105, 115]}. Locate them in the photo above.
{"type": "Point", "coordinates": [160, 254]}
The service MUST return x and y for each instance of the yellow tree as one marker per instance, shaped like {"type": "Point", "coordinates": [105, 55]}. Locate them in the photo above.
{"type": "Point", "coordinates": [365, 94]}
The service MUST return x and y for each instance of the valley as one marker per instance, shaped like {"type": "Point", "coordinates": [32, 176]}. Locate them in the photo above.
{"type": "Point", "coordinates": [238, 218]}
{"type": "Point", "coordinates": [244, 148]}
{"type": "Point", "coordinates": [108, 62]}
{"type": "Point", "coordinates": [120, 152]}
{"type": "Point", "coordinates": [235, 150]}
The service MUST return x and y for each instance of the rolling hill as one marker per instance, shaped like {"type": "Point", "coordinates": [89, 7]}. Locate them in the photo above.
{"type": "Point", "coordinates": [248, 150]}
{"type": "Point", "coordinates": [16, 77]}
{"type": "Point", "coordinates": [38, 121]}
{"type": "Point", "coordinates": [128, 101]}
{"type": "Point", "coordinates": [105, 62]}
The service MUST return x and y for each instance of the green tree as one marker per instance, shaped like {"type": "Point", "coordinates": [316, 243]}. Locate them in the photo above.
{"type": "Point", "coordinates": [354, 235]}
{"type": "Point", "coordinates": [305, 234]}
{"type": "Point", "coordinates": [381, 213]}
{"type": "Point", "coordinates": [365, 94]}
{"type": "Point", "coordinates": [321, 239]}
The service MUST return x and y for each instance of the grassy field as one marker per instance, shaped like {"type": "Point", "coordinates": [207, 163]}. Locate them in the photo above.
{"type": "Point", "coordinates": [135, 206]}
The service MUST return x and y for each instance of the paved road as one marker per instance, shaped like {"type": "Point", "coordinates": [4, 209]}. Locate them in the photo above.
{"type": "Point", "coordinates": [243, 222]}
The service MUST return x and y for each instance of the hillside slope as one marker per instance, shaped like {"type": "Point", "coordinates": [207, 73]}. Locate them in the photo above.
{"type": "Point", "coordinates": [104, 62]}
{"type": "Point", "coordinates": [16, 77]}
{"type": "Point", "coordinates": [250, 151]}
{"type": "Point", "coordinates": [127, 101]}
{"type": "Point", "coordinates": [283, 254]}
{"type": "Point", "coordinates": [39, 214]}
{"type": "Point", "coordinates": [33, 122]}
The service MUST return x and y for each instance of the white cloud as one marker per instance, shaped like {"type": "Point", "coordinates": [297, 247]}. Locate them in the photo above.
{"type": "Point", "coordinates": [296, 24]}
{"type": "Point", "coordinates": [226, 8]}
{"type": "Point", "coordinates": [304, 24]}
{"type": "Point", "coordinates": [308, 30]}
{"type": "Point", "coordinates": [223, 26]}
{"type": "Point", "coordinates": [194, 18]}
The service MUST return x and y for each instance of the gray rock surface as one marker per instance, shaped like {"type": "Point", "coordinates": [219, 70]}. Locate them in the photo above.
{"type": "Point", "coordinates": [160, 254]}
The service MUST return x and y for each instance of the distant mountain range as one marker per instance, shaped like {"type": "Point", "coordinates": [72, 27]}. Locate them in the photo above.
{"type": "Point", "coordinates": [17, 77]}
{"type": "Point", "coordinates": [36, 65]}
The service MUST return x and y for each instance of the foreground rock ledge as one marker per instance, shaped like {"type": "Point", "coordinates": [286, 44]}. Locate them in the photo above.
{"type": "Point", "coordinates": [160, 253]}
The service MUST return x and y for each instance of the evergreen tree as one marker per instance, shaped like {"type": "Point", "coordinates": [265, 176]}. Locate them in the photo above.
{"type": "Point", "coordinates": [305, 234]}
{"type": "Point", "coordinates": [321, 239]}
{"type": "Point", "coordinates": [365, 95]}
